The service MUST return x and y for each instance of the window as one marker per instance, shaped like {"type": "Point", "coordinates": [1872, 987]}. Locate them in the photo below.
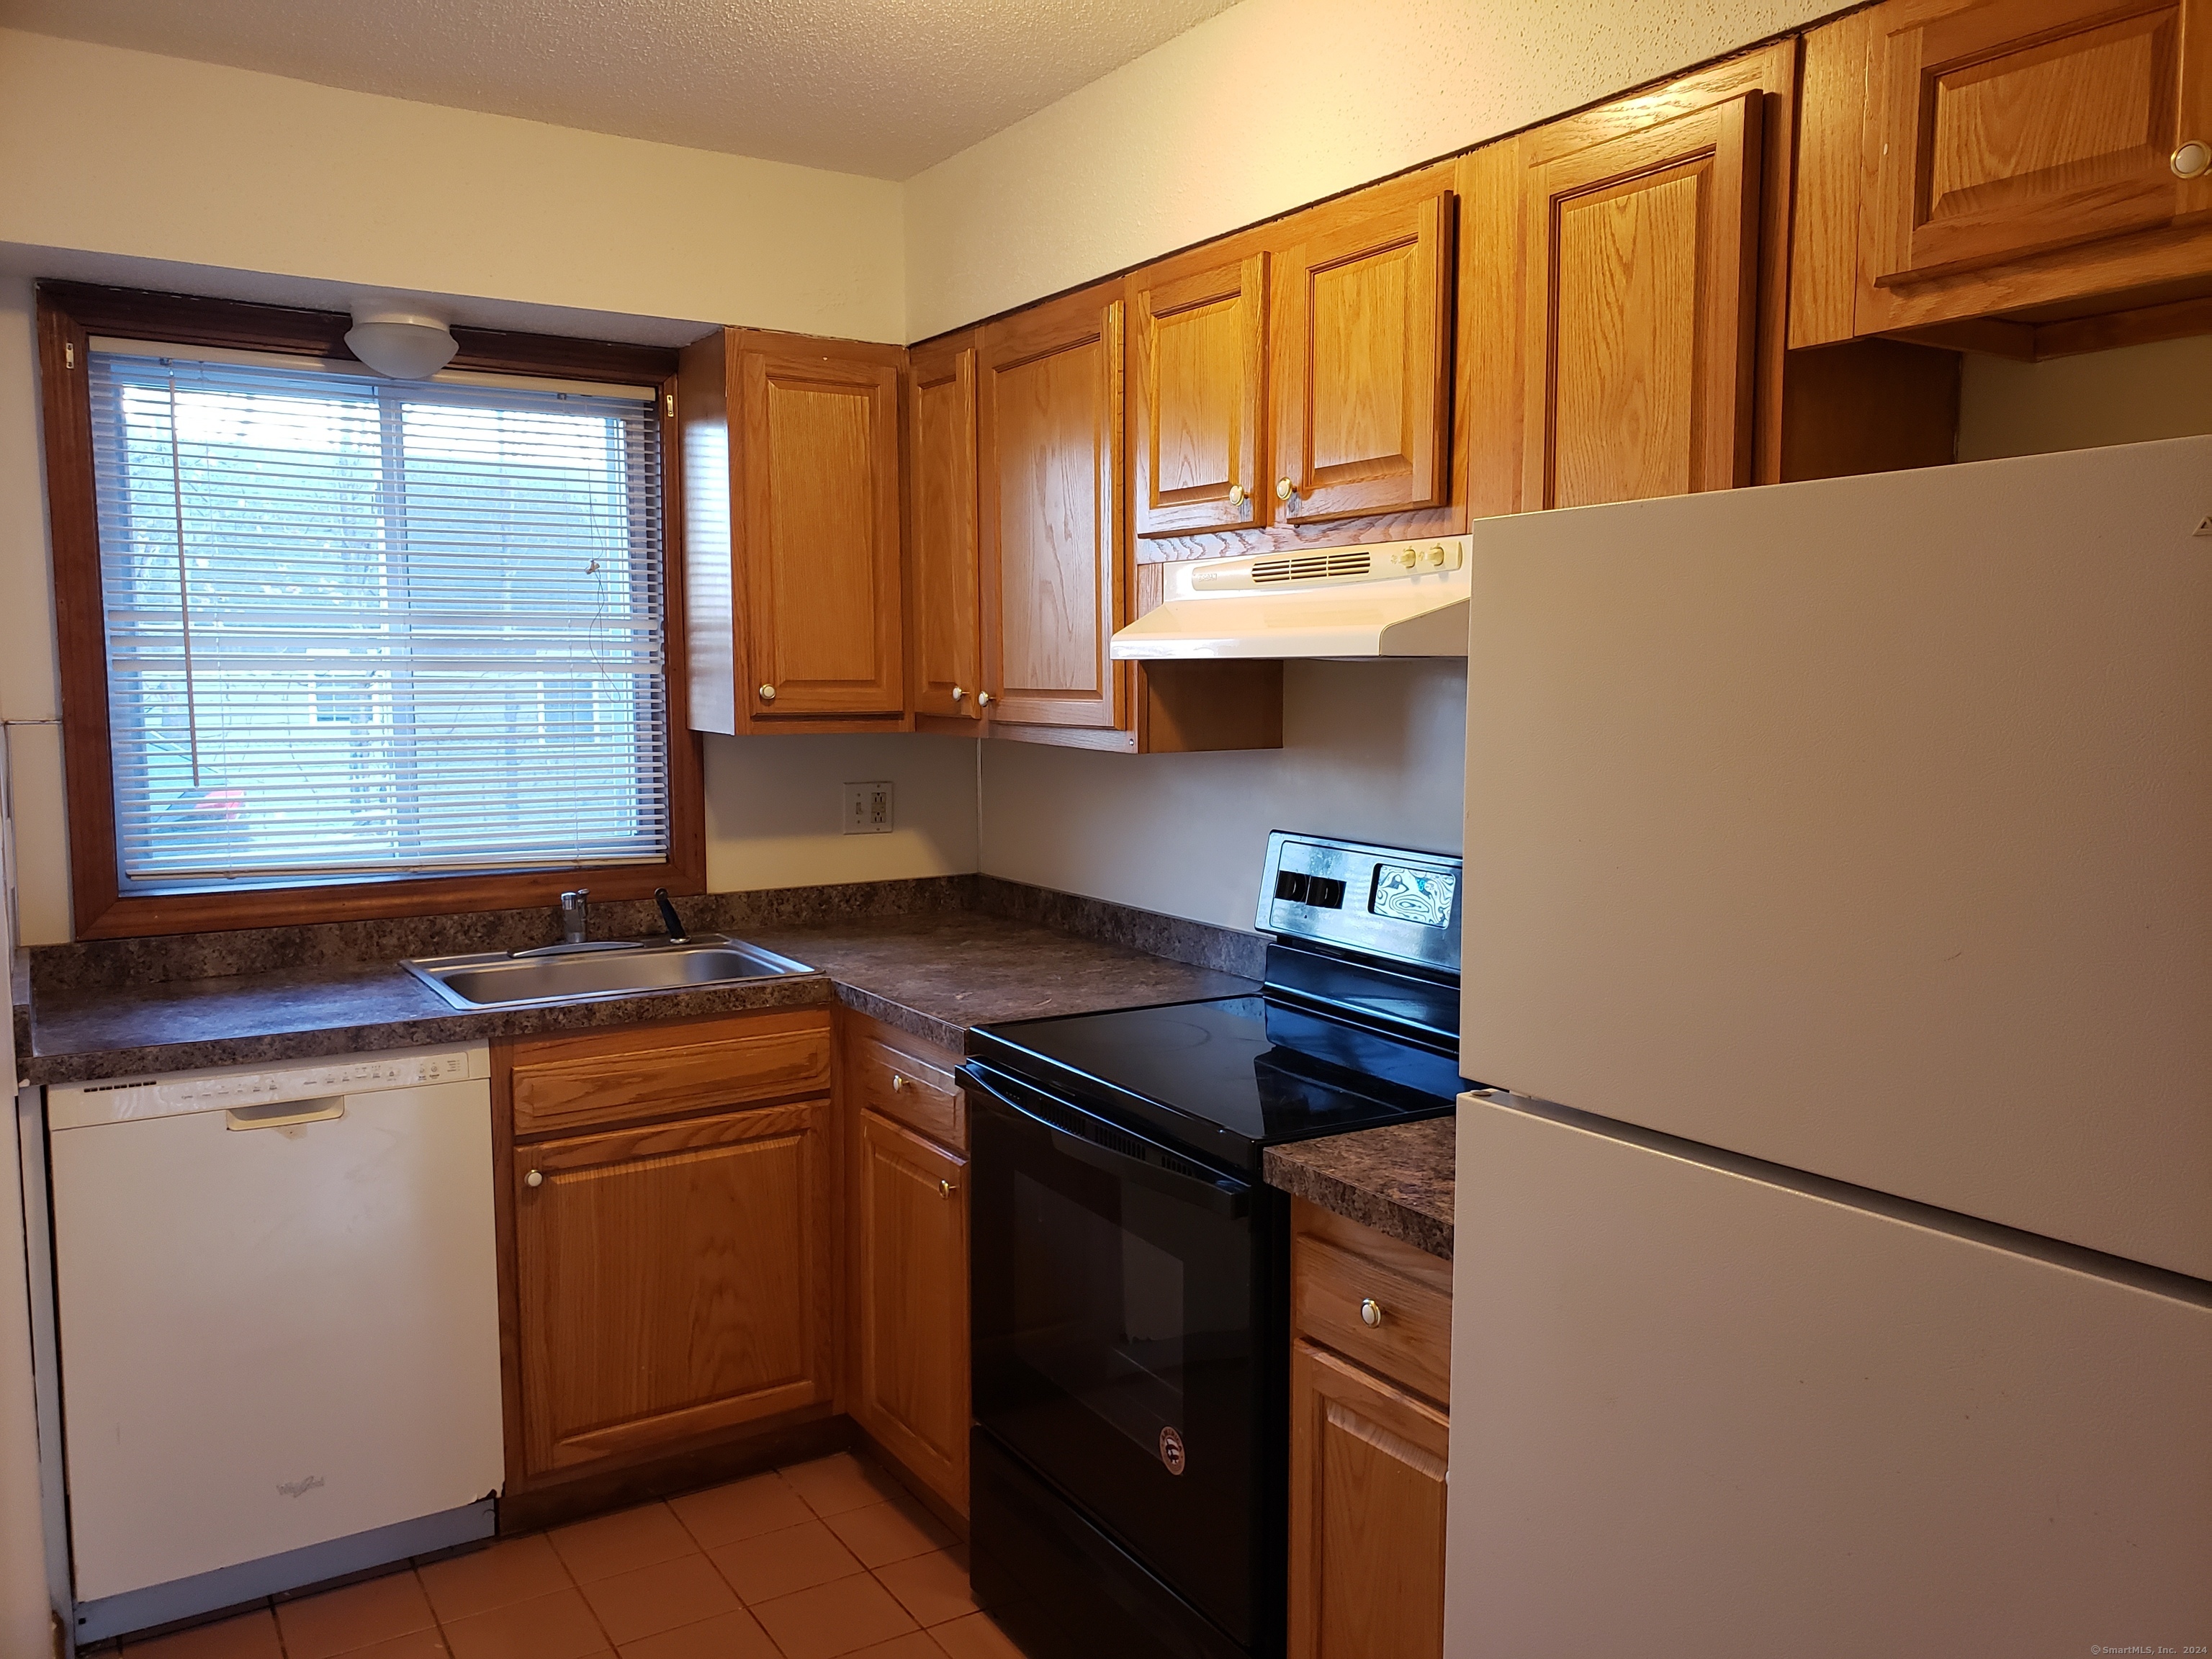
{"type": "Point", "coordinates": [354, 637]}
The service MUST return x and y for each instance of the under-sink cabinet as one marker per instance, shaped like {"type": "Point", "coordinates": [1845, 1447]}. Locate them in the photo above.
{"type": "Point", "coordinates": [1370, 1368]}
{"type": "Point", "coordinates": [671, 1261]}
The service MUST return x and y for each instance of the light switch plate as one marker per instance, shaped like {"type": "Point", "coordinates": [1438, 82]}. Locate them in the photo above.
{"type": "Point", "coordinates": [868, 808]}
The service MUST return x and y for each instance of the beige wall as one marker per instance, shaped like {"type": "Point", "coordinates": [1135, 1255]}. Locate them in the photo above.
{"type": "Point", "coordinates": [775, 809]}
{"type": "Point", "coordinates": [1375, 750]}
{"type": "Point", "coordinates": [2132, 395]}
{"type": "Point", "coordinates": [1270, 105]}
{"type": "Point", "coordinates": [116, 152]}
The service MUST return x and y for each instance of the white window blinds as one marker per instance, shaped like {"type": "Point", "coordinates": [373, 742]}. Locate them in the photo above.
{"type": "Point", "coordinates": [362, 628]}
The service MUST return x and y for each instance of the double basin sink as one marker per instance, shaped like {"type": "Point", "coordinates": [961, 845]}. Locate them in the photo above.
{"type": "Point", "coordinates": [586, 973]}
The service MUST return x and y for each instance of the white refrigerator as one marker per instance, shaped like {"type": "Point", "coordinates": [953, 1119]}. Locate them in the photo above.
{"type": "Point", "coordinates": [1834, 1261]}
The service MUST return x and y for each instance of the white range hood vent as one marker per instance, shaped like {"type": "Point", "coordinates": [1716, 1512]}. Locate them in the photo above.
{"type": "Point", "coordinates": [1386, 599]}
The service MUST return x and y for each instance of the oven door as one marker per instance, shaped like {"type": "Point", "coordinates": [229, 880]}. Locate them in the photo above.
{"type": "Point", "coordinates": [1113, 1349]}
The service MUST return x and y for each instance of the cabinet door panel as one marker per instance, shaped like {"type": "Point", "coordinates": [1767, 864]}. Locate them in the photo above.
{"type": "Point", "coordinates": [1051, 438]}
{"type": "Point", "coordinates": [1642, 311]}
{"type": "Point", "coordinates": [2004, 130]}
{"type": "Point", "coordinates": [912, 1299]}
{"type": "Point", "coordinates": [1367, 1515]}
{"type": "Point", "coordinates": [947, 644]}
{"type": "Point", "coordinates": [820, 465]}
{"type": "Point", "coordinates": [673, 1280]}
{"type": "Point", "coordinates": [1362, 340]}
{"type": "Point", "coordinates": [1201, 352]}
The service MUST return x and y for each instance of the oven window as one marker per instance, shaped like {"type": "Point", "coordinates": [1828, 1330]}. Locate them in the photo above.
{"type": "Point", "coordinates": [1099, 1308]}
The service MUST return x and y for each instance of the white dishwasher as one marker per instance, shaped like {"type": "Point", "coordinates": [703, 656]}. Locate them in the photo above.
{"type": "Point", "coordinates": [278, 1317]}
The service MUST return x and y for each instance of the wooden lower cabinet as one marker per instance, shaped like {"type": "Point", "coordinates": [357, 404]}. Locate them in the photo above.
{"type": "Point", "coordinates": [672, 1237]}
{"type": "Point", "coordinates": [910, 1272]}
{"type": "Point", "coordinates": [1370, 1367]}
{"type": "Point", "coordinates": [1367, 1513]}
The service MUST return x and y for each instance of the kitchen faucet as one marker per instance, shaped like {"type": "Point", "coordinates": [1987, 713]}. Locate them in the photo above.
{"type": "Point", "coordinates": [576, 916]}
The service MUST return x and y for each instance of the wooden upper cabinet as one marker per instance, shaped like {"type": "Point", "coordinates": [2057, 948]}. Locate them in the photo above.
{"type": "Point", "coordinates": [1362, 356]}
{"type": "Point", "coordinates": [791, 531]}
{"type": "Point", "coordinates": [1641, 226]}
{"type": "Point", "coordinates": [2004, 130]}
{"type": "Point", "coordinates": [1049, 447]}
{"type": "Point", "coordinates": [1197, 404]}
{"type": "Point", "coordinates": [946, 626]}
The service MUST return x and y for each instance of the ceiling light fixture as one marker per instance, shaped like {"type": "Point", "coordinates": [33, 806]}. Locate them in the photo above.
{"type": "Point", "coordinates": [405, 345]}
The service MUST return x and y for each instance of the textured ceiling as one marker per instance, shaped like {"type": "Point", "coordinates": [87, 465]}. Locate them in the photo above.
{"type": "Point", "coordinates": [884, 87]}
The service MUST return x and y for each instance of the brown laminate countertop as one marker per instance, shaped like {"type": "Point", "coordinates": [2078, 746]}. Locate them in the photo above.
{"type": "Point", "coordinates": [932, 975]}
{"type": "Point", "coordinates": [1396, 1179]}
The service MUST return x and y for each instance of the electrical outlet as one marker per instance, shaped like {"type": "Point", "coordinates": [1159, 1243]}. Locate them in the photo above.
{"type": "Point", "coordinates": [868, 808]}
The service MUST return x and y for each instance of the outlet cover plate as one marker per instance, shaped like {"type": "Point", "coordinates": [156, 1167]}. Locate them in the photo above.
{"type": "Point", "coordinates": [868, 808]}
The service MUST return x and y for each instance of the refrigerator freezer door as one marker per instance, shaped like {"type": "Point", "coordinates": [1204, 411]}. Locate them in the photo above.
{"type": "Point", "coordinates": [1865, 826]}
{"type": "Point", "coordinates": [1697, 1415]}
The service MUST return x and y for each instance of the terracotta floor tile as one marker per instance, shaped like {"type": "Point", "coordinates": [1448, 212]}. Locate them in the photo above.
{"type": "Point", "coordinates": [831, 1485]}
{"type": "Point", "coordinates": [416, 1644]}
{"type": "Point", "coordinates": [356, 1616]}
{"type": "Point", "coordinates": [974, 1638]}
{"type": "Point", "coordinates": [914, 1644]}
{"type": "Point", "coordinates": [778, 1563]}
{"type": "Point", "coordinates": [556, 1626]}
{"type": "Point", "coordinates": [879, 1534]}
{"type": "Point", "coordinates": [515, 1569]}
{"type": "Point", "coordinates": [743, 1508]}
{"type": "Point", "coordinates": [632, 1606]}
{"type": "Point", "coordinates": [610, 1544]}
{"type": "Point", "coordinates": [730, 1636]}
{"type": "Point", "coordinates": [841, 1617]}
{"type": "Point", "coordinates": [933, 1588]}
{"type": "Point", "coordinates": [249, 1636]}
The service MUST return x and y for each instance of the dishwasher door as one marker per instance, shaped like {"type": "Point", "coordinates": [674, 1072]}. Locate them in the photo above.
{"type": "Point", "coordinates": [278, 1324]}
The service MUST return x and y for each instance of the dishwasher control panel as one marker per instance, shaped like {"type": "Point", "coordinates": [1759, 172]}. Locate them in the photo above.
{"type": "Point", "coordinates": [74, 1105]}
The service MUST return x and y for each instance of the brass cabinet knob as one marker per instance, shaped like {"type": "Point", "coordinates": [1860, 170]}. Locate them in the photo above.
{"type": "Point", "coordinates": [982, 700]}
{"type": "Point", "coordinates": [768, 694]}
{"type": "Point", "coordinates": [2192, 159]}
{"type": "Point", "coordinates": [1238, 496]}
{"type": "Point", "coordinates": [945, 1189]}
{"type": "Point", "coordinates": [1284, 489]}
{"type": "Point", "coordinates": [1370, 1312]}
{"type": "Point", "coordinates": [957, 693]}
{"type": "Point", "coordinates": [898, 1083]}
{"type": "Point", "coordinates": [533, 1179]}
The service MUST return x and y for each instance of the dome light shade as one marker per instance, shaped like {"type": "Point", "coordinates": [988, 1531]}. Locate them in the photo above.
{"type": "Point", "coordinates": [403, 345]}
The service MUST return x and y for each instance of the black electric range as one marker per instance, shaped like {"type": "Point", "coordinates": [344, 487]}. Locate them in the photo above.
{"type": "Point", "coordinates": [1130, 1269]}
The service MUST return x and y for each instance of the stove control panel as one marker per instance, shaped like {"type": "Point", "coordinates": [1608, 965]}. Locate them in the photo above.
{"type": "Point", "coordinates": [1390, 902]}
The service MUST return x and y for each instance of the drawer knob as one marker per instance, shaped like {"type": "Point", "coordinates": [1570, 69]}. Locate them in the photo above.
{"type": "Point", "coordinates": [768, 694]}
{"type": "Point", "coordinates": [1284, 489]}
{"type": "Point", "coordinates": [1238, 496]}
{"type": "Point", "coordinates": [533, 1179]}
{"type": "Point", "coordinates": [898, 1083]}
{"type": "Point", "coordinates": [982, 700]}
{"type": "Point", "coordinates": [945, 1189]}
{"type": "Point", "coordinates": [2192, 159]}
{"type": "Point", "coordinates": [1370, 1311]}
{"type": "Point", "coordinates": [958, 693]}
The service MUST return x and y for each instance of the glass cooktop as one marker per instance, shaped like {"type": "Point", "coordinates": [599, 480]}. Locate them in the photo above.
{"type": "Point", "coordinates": [1249, 1071]}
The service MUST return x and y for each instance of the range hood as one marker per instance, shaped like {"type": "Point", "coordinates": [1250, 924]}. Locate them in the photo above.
{"type": "Point", "coordinates": [1385, 599]}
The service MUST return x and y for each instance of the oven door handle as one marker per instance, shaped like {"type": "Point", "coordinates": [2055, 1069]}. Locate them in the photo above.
{"type": "Point", "coordinates": [1221, 1194]}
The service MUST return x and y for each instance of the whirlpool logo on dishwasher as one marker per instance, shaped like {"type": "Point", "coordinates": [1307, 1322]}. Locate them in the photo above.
{"type": "Point", "coordinates": [296, 1488]}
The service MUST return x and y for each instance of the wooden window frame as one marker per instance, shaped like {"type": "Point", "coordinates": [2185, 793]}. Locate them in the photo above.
{"type": "Point", "coordinates": [70, 314]}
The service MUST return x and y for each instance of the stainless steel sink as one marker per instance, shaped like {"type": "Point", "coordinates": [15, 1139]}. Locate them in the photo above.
{"type": "Point", "coordinates": [496, 979]}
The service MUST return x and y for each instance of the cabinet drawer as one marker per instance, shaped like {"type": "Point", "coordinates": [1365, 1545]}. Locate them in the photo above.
{"type": "Point", "coordinates": [908, 1090]}
{"type": "Point", "coordinates": [782, 1057]}
{"type": "Point", "coordinates": [1411, 1342]}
